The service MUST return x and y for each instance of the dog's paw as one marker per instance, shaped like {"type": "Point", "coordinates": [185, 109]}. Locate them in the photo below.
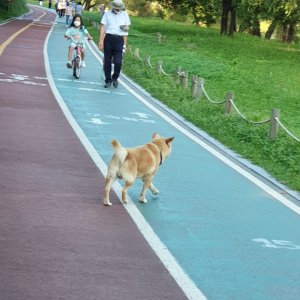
{"type": "Point", "coordinates": [155, 192]}
{"type": "Point", "coordinates": [143, 200]}
{"type": "Point", "coordinates": [107, 203]}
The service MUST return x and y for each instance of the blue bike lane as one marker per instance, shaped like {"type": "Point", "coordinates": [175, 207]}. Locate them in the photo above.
{"type": "Point", "coordinates": [226, 229]}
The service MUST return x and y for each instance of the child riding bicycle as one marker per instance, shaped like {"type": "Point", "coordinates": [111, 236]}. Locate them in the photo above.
{"type": "Point", "coordinates": [76, 34]}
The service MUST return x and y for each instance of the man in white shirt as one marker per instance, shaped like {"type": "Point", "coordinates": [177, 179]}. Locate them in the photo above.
{"type": "Point", "coordinates": [113, 38]}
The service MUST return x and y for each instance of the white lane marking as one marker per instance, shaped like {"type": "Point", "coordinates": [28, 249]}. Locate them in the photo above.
{"type": "Point", "coordinates": [147, 121]}
{"type": "Point", "coordinates": [23, 82]}
{"type": "Point", "coordinates": [81, 81]}
{"type": "Point", "coordinates": [93, 90]}
{"type": "Point", "coordinates": [101, 91]}
{"type": "Point", "coordinates": [220, 156]}
{"type": "Point", "coordinates": [186, 284]}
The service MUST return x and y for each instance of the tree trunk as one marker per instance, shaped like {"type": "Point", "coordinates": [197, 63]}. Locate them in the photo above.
{"type": "Point", "coordinates": [271, 29]}
{"type": "Point", "coordinates": [227, 8]}
{"type": "Point", "coordinates": [256, 27]}
{"type": "Point", "coordinates": [290, 33]}
{"type": "Point", "coordinates": [226, 4]}
{"type": "Point", "coordinates": [232, 27]}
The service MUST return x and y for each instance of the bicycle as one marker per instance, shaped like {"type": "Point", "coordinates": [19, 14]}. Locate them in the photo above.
{"type": "Point", "coordinates": [76, 62]}
{"type": "Point", "coordinates": [77, 58]}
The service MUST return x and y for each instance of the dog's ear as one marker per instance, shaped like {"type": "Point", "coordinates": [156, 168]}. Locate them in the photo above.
{"type": "Point", "coordinates": [155, 135]}
{"type": "Point", "coordinates": [170, 140]}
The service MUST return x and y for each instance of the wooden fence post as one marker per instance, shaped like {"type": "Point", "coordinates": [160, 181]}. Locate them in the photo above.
{"type": "Point", "coordinates": [199, 90]}
{"type": "Point", "coordinates": [159, 66]}
{"type": "Point", "coordinates": [147, 61]}
{"type": "Point", "coordinates": [228, 105]}
{"type": "Point", "coordinates": [274, 125]}
{"type": "Point", "coordinates": [177, 75]}
{"type": "Point", "coordinates": [158, 36]}
{"type": "Point", "coordinates": [130, 49]}
{"type": "Point", "coordinates": [194, 85]}
{"type": "Point", "coordinates": [136, 53]}
{"type": "Point", "coordinates": [184, 79]}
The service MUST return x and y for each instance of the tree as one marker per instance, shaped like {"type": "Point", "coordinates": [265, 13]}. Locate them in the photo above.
{"type": "Point", "coordinates": [284, 14]}
{"type": "Point", "coordinates": [204, 11]}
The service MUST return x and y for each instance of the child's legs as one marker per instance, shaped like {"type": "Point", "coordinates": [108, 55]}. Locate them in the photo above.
{"type": "Point", "coordinates": [70, 53]}
{"type": "Point", "coordinates": [82, 53]}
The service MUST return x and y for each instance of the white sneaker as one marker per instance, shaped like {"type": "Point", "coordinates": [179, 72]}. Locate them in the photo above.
{"type": "Point", "coordinates": [83, 65]}
{"type": "Point", "coordinates": [69, 65]}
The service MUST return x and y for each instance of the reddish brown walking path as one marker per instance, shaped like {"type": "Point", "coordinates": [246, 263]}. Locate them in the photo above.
{"type": "Point", "coordinates": [57, 240]}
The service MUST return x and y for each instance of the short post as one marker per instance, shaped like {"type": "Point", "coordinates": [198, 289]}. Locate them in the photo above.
{"type": "Point", "coordinates": [159, 66]}
{"type": "Point", "coordinates": [194, 86]}
{"type": "Point", "coordinates": [147, 60]}
{"type": "Point", "coordinates": [228, 104]}
{"type": "Point", "coordinates": [184, 79]}
{"type": "Point", "coordinates": [199, 90]}
{"type": "Point", "coordinates": [129, 47]}
{"type": "Point", "coordinates": [136, 53]}
{"type": "Point", "coordinates": [158, 36]}
{"type": "Point", "coordinates": [177, 75]}
{"type": "Point", "coordinates": [274, 124]}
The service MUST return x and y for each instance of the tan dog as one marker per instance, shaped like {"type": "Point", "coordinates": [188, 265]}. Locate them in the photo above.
{"type": "Point", "coordinates": [139, 162]}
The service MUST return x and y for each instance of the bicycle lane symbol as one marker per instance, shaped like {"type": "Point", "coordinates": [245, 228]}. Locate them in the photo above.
{"type": "Point", "coordinates": [279, 244]}
{"type": "Point", "coordinates": [97, 119]}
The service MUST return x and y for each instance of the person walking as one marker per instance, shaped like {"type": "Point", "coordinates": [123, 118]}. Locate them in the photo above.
{"type": "Point", "coordinates": [102, 11]}
{"type": "Point", "coordinates": [113, 37]}
{"type": "Point", "coordinates": [79, 8]}
{"type": "Point", "coordinates": [69, 14]}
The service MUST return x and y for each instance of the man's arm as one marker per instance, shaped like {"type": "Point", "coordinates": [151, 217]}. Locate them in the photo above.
{"type": "Point", "coordinates": [125, 40]}
{"type": "Point", "coordinates": [101, 37]}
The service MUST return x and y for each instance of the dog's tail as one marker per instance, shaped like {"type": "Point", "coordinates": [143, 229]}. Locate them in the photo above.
{"type": "Point", "coordinates": [120, 151]}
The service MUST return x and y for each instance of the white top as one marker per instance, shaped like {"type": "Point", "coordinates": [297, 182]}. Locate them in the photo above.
{"type": "Point", "coordinates": [113, 21]}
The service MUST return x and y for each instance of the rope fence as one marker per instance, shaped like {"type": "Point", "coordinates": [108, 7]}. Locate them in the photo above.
{"type": "Point", "coordinates": [197, 90]}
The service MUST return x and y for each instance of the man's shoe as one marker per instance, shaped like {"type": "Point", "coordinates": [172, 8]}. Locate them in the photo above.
{"type": "Point", "coordinates": [83, 65]}
{"type": "Point", "coordinates": [69, 65]}
{"type": "Point", "coordinates": [107, 84]}
{"type": "Point", "coordinates": [115, 83]}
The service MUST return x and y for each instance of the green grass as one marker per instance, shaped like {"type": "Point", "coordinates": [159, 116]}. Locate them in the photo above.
{"type": "Point", "coordinates": [262, 74]}
{"type": "Point", "coordinates": [17, 8]}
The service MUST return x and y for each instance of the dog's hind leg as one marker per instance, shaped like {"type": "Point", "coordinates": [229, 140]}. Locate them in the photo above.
{"type": "Point", "coordinates": [108, 183]}
{"type": "Point", "coordinates": [153, 189]}
{"type": "Point", "coordinates": [124, 191]}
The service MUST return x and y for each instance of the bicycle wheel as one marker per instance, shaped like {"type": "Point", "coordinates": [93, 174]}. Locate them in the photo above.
{"type": "Point", "coordinates": [76, 67]}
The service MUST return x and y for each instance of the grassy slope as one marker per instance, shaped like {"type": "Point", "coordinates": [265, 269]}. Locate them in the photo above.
{"type": "Point", "coordinates": [17, 8]}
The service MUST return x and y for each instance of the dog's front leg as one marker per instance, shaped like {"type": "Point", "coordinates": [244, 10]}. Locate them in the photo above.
{"type": "Point", "coordinates": [153, 189]}
{"type": "Point", "coordinates": [147, 183]}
